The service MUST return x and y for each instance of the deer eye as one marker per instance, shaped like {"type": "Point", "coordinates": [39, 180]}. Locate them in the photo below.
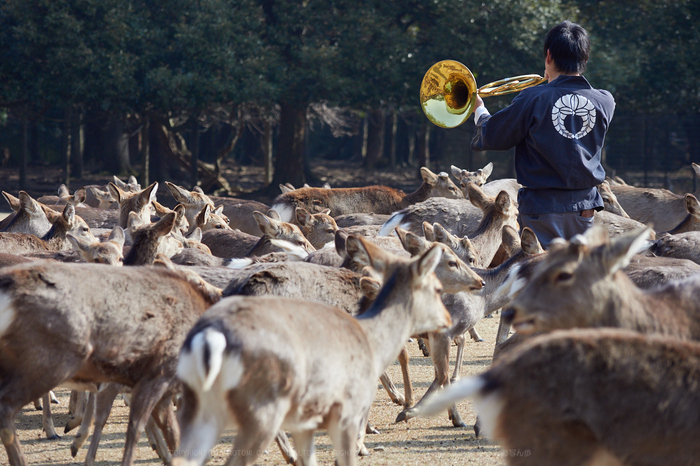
{"type": "Point", "coordinates": [219, 226]}
{"type": "Point", "coordinates": [562, 277]}
{"type": "Point", "coordinates": [472, 260]}
{"type": "Point", "coordinates": [452, 264]}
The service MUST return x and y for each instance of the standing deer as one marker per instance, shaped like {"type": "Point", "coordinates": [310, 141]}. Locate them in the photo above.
{"type": "Point", "coordinates": [86, 324]}
{"type": "Point", "coordinates": [298, 383]}
{"type": "Point", "coordinates": [589, 397]}
{"type": "Point", "coordinates": [377, 199]}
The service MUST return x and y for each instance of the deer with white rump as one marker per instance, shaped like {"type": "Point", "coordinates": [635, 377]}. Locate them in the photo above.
{"type": "Point", "coordinates": [300, 384]}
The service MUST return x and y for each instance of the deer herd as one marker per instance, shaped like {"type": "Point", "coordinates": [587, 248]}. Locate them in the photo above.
{"type": "Point", "coordinates": [219, 312]}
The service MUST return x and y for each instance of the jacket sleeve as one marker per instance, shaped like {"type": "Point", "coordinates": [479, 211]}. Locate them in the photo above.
{"type": "Point", "coordinates": [505, 129]}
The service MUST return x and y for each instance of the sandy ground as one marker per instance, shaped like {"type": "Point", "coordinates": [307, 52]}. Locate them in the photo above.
{"type": "Point", "coordinates": [418, 442]}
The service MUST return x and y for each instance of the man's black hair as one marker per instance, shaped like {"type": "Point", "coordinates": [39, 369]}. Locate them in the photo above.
{"type": "Point", "coordinates": [569, 44]}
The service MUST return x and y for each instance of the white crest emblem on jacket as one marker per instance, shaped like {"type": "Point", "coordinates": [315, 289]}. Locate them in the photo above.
{"type": "Point", "coordinates": [573, 105]}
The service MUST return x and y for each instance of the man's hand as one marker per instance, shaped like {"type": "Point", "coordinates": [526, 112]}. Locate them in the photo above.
{"type": "Point", "coordinates": [479, 102]}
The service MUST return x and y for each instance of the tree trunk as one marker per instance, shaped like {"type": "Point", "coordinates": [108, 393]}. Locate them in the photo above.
{"type": "Point", "coordinates": [289, 163]}
{"type": "Point", "coordinates": [423, 145]}
{"type": "Point", "coordinates": [78, 148]}
{"type": "Point", "coordinates": [25, 155]}
{"type": "Point", "coordinates": [393, 136]}
{"type": "Point", "coordinates": [146, 151]}
{"type": "Point", "coordinates": [67, 144]}
{"type": "Point", "coordinates": [268, 152]}
{"type": "Point", "coordinates": [375, 138]}
{"type": "Point", "coordinates": [116, 147]}
{"type": "Point", "coordinates": [194, 149]}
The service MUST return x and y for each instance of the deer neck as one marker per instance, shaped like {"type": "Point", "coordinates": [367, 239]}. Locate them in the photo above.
{"type": "Point", "coordinates": [386, 323]}
{"type": "Point", "coordinates": [56, 238]}
{"type": "Point", "coordinates": [647, 312]}
{"type": "Point", "coordinates": [262, 247]}
{"type": "Point", "coordinates": [487, 238]}
{"type": "Point", "coordinates": [419, 195]}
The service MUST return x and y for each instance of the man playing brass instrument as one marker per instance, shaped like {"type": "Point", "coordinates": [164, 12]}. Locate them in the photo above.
{"type": "Point", "coordinates": [558, 131]}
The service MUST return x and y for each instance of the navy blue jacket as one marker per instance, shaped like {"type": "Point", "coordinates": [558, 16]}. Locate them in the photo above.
{"type": "Point", "coordinates": [558, 130]}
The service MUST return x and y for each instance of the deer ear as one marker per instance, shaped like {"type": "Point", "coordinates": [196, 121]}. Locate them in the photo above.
{"type": "Point", "coordinates": [203, 215]}
{"type": "Point", "coordinates": [161, 210]}
{"type": "Point", "coordinates": [69, 214]}
{"type": "Point", "coordinates": [503, 203]}
{"type": "Point", "coordinates": [63, 191]}
{"type": "Point", "coordinates": [370, 287]}
{"type": "Point", "coordinates": [428, 176]}
{"type": "Point", "coordinates": [267, 225]}
{"type": "Point", "coordinates": [303, 217]}
{"type": "Point", "coordinates": [411, 242]}
{"type": "Point", "coordinates": [692, 205]}
{"type": "Point", "coordinates": [340, 238]}
{"type": "Point", "coordinates": [364, 252]}
{"type": "Point", "coordinates": [477, 197]}
{"type": "Point", "coordinates": [80, 195]}
{"type": "Point", "coordinates": [166, 224]}
{"type": "Point", "coordinates": [116, 192]}
{"type": "Point", "coordinates": [428, 262]}
{"type": "Point", "coordinates": [529, 242]}
{"type": "Point", "coordinates": [617, 254]}
{"type": "Point", "coordinates": [117, 236]}
{"type": "Point", "coordinates": [196, 235]}
{"type": "Point", "coordinates": [12, 200]}
{"type": "Point", "coordinates": [119, 183]}
{"type": "Point", "coordinates": [273, 214]}
{"type": "Point", "coordinates": [149, 194]}
{"type": "Point", "coordinates": [428, 232]}
{"type": "Point", "coordinates": [487, 170]}
{"type": "Point", "coordinates": [510, 239]}
{"type": "Point", "coordinates": [456, 172]}
{"type": "Point", "coordinates": [79, 244]}
{"type": "Point", "coordinates": [180, 195]}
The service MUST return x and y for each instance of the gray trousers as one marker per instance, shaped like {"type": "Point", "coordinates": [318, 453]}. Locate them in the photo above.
{"type": "Point", "coordinates": [550, 226]}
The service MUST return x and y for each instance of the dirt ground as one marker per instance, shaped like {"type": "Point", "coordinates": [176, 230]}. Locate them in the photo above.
{"type": "Point", "coordinates": [418, 442]}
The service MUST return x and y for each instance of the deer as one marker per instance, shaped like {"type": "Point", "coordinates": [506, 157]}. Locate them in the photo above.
{"type": "Point", "coordinates": [681, 246]}
{"type": "Point", "coordinates": [581, 283]}
{"type": "Point", "coordinates": [318, 228]}
{"type": "Point", "coordinates": [238, 211]}
{"type": "Point", "coordinates": [53, 241]}
{"type": "Point", "coordinates": [138, 202]}
{"type": "Point", "coordinates": [237, 244]}
{"type": "Point", "coordinates": [610, 202]}
{"type": "Point", "coordinates": [211, 218]}
{"type": "Point", "coordinates": [377, 199]}
{"type": "Point", "coordinates": [589, 396]}
{"type": "Point", "coordinates": [477, 177]}
{"type": "Point", "coordinates": [466, 310]}
{"type": "Point", "coordinates": [659, 208]}
{"type": "Point", "coordinates": [221, 360]}
{"type": "Point", "coordinates": [691, 222]}
{"type": "Point", "coordinates": [100, 198]}
{"type": "Point", "coordinates": [65, 197]}
{"type": "Point", "coordinates": [85, 324]}
{"type": "Point", "coordinates": [110, 252]}
{"type": "Point", "coordinates": [28, 216]}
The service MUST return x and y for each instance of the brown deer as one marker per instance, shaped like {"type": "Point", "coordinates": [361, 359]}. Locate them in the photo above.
{"type": "Point", "coordinates": [318, 228]}
{"type": "Point", "coordinates": [238, 211]}
{"type": "Point", "coordinates": [377, 199]}
{"type": "Point", "coordinates": [478, 177]}
{"type": "Point", "coordinates": [589, 396]}
{"type": "Point", "coordinates": [691, 222]}
{"type": "Point", "coordinates": [111, 252]}
{"type": "Point", "coordinates": [610, 202]}
{"type": "Point", "coordinates": [581, 283]}
{"type": "Point", "coordinates": [88, 324]}
{"type": "Point", "coordinates": [210, 218]}
{"type": "Point", "coordinates": [466, 310]}
{"type": "Point", "coordinates": [237, 244]}
{"type": "Point", "coordinates": [658, 208]}
{"type": "Point", "coordinates": [138, 202]}
{"type": "Point", "coordinates": [301, 388]}
{"type": "Point", "coordinates": [65, 197]}
{"type": "Point", "coordinates": [28, 216]}
{"type": "Point", "coordinates": [681, 246]}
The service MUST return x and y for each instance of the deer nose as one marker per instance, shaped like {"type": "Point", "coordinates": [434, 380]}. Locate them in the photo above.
{"type": "Point", "coordinates": [508, 315]}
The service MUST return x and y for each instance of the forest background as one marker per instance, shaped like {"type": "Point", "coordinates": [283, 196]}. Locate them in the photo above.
{"type": "Point", "coordinates": [179, 89]}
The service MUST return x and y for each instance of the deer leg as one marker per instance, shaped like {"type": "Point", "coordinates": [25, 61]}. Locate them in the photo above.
{"type": "Point", "coordinates": [503, 330]}
{"type": "Point", "coordinates": [9, 438]}
{"type": "Point", "coordinates": [261, 427]}
{"type": "Point", "coordinates": [165, 431]}
{"type": "Point", "coordinates": [85, 424]}
{"type": "Point", "coordinates": [460, 341]}
{"type": "Point", "coordinates": [407, 386]}
{"type": "Point", "coordinates": [144, 397]}
{"type": "Point", "coordinates": [290, 455]}
{"type": "Point", "coordinates": [47, 418]}
{"type": "Point", "coordinates": [52, 397]}
{"type": "Point", "coordinates": [475, 335]}
{"type": "Point", "coordinates": [391, 389]}
{"type": "Point", "coordinates": [72, 402]}
{"type": "Point", "coordinates": [37, 404]}
{"type": "Point", "coordinates": [103, 406]}
{"type": "Point", "coordinates": [79, 407]}
{"type": "Point", "coordinates": [304, 442]}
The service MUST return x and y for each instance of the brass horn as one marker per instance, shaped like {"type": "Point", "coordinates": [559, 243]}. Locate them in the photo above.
{"type": "Point", "coordinates": [448, 92]}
